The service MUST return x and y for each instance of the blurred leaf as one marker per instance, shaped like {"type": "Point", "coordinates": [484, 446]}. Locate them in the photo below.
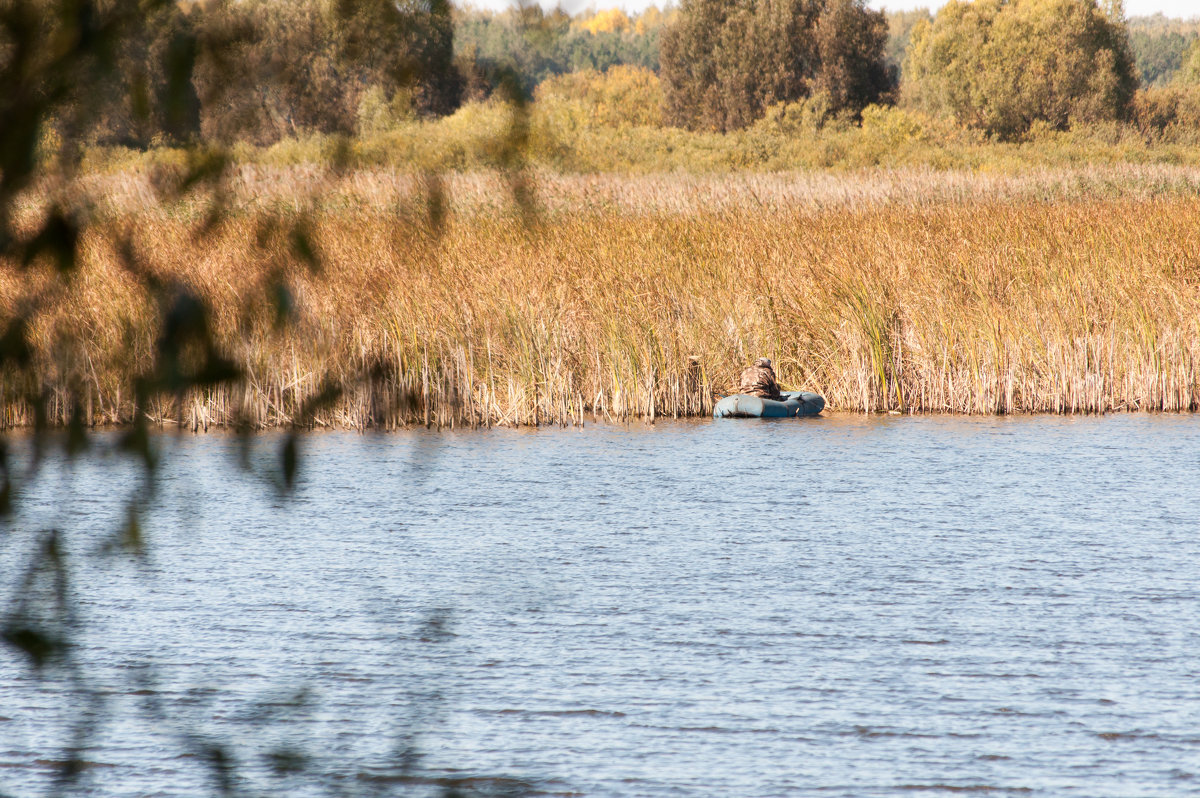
{"type": "Point", "coordinates": [187, 335]}
{"type": "Point", "coordinates": [14, 344]}
{"type": "Point", "coordinates": [215, 371]}
{"type": "Point", "coordinates": [435, 191]}
{"type": "Point", "coordinates": [288, 461]}
{"type": "Point", "coordinates": [265, 231]}
{"type": "Point", "coordinates": [325, 398]}
{"type": "Point", "coordinates": [185, 319]}
{"type": "Point", "coordinates": [18, 145]}
{"type": "Point", "coordinates": [205, 165]}
{"type": "Point", "coordinates": [222, 767]}
{"type": "Point", "coordinates": [139, 97]}
{"type": "Point", "coordinates": [304, 246]}
{"type": "Point", "coordinates": [180, 66]}
{"type": "Point", "coordinates": [136, 441]}
{"type": "Point", "coordinates": [58, 239]}
{"type": "Point", "coordinates": [41, 419]}
{"type": "Point", "coordinates": [6, 483]}
{"type": "Point", "coordinates": [36, 625]}
{"type": "Point", "coordinates": [41, 648]}
{"type": "Point", "coordinates": [6, 495]}
{"type": "Point", "coordinates": [128, 538]}
{"type": "Point", "coordinates": [70, 769]}
{"type": "Point", "coordinates": [287, 761]}
{"type": "Point", "coordinates": [77, 437]}
{"type": "Point", "coordinates": [341, 154]}
{"type": "Point", "coordinates": [436, 628]}
{"type": "Point", "coordinates": [525, 196]}
{"type": "Point", "coordinates": [283, 304]}
{"type": "Point", "coordinates": [132, 262]}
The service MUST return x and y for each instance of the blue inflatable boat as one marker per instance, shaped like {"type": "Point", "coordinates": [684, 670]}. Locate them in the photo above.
{"type": "Point", "coordinates": [794, 403]}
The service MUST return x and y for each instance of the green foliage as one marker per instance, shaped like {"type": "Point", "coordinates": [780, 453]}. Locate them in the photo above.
{"type": "Point", "coordinates": [537, 45]}
{"type": "Point", "coordinates": [1189, 72]}
{"type": "Point", "coordinates": [1000, 66]}
{"type": "Point", "coordinates": [1159, 58]}
{"type": "Point", "coordinates": [724, 62]}
{"type": "Point", "coordinates": [807, 117]}
{"type": "Point", "coordinates": [377, 113]}
{"type": "Point", "coordinates": [574, 128]}
{"type": "Point", "coordinates": [900, 27]}
{"type": "Point", "coordinates": [1159, 46]}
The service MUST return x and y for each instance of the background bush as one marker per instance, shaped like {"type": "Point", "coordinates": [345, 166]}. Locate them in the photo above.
{"type": "Point", "coordinates": [622, 96]}
{"type": "Point", "coordinates": [789, 83]}
{"type": "Point", "coordinates": [724, 62]}
{"type": "Point", "coordinates": [1001, 66]}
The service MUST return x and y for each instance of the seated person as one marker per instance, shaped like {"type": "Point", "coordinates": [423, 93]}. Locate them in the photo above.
{"type": "Point", "coordinates": [759, 380]}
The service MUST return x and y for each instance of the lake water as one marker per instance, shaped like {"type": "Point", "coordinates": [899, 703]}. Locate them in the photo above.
{"type": "Point", "coordinates": [844, 606]}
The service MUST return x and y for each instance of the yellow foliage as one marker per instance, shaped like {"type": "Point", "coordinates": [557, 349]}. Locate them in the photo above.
{"type": "Point", "coordinates": [1189, 73]}
{"type": "Point", "coordinates": [378, 114]}
{"type": "Point", "coordinates": [610, 20]}
{"type": "Point", "coordinates": [999, 65]}
{"type": "Point", "coordinates": [653, 18]}
{"type": "Point", "coordinates": [805, 117]}
{"type": "Point", "coordinates": [903, 126]}
{"type": "Point", "coordinates": [620, 97]}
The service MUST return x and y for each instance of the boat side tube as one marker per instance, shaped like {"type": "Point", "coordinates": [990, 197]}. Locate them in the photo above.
{"type": "Point", "coordinates": [793, 404]}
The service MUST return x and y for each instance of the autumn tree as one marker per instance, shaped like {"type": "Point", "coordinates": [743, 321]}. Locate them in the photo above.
{"type": "Point", "coordinates": [154, 97]}
{"type": "Point", "coordinates": [851, 53]}
{"type": "Point", "coordinates": [281, 68]}
{"type": "Point", "coordinates": [725, 61]}
{"type": "Point", "coordinates": [140, 83]}
{"type": "Point", "coordinates": [536, 44]}
{"type": "Point", "coordinates": [1001, 65]}
{"type": "Point", "coordinates": [406, 45]}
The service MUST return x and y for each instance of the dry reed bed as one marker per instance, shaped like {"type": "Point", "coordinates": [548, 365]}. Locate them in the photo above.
{"type": "Point", "coordinates": [995, 306]}
{"type": "Point", "coordinates": [256, 188]}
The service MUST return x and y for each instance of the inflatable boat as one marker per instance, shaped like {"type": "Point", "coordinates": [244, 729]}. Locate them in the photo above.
{"type": "Point", "coordinates": [793, 404]}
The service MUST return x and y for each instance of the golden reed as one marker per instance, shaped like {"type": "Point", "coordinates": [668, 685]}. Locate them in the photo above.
{"type": "Point", "coordinates": [976, 305]}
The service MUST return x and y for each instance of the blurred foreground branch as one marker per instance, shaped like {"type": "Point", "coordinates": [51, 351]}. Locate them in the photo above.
{"type": "Point", "coordinates": [72, 71]}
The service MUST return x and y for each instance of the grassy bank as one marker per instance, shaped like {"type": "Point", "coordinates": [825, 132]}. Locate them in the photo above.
{"type": "Point", "coordinates": [957, 295]}
{"type": "Point", "coordinates": [594, 132]}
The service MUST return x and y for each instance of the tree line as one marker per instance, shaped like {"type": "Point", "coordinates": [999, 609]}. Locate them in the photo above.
{"type": "Point", "coordinates": [540, 44]}
{"type": "Point", "coordinates": [1161, 47]}
{"type": "Point", "coordinates": [264, 70]}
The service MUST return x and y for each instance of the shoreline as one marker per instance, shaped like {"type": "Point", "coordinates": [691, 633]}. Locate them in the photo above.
{"type": "Point", "coordinates": [161, 427]}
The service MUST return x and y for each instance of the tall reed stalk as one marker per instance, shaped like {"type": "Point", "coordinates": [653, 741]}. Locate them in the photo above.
{"type": "Point", "coordinates": [992, 305]}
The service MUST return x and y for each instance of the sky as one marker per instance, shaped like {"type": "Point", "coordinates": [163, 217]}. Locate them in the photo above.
{"type": "Point", "coordinates": [1133, 8]}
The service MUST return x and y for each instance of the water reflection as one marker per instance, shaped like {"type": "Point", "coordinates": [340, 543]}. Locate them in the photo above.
{"type": "Point", "coordinates": [845, 606]}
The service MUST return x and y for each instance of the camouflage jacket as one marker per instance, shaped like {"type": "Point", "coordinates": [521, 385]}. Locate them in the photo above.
{"type": "Point", "coordinates": [759, 380]}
